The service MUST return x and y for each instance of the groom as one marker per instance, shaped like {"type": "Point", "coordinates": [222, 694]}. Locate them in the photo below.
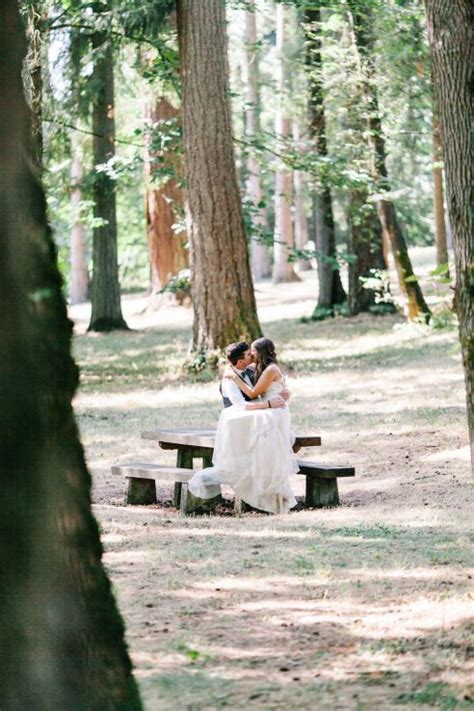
{"type": "Point", "coordinates": [240, 357]}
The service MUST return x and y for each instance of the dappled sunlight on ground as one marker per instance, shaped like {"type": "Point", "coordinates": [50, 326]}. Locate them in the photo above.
{"type": "Point", "coordinates": [365, 606]}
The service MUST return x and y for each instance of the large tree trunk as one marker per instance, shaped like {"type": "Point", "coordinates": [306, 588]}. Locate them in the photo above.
{"type": "Point", "coordinates": [331, 291]}
{"type": "Point", "coordinates": [260, 256]}
{"type": "Point", "coordinates": [62, 638]}
{"type": "Point", "coordinates": [106, 308]}
{"type": "Point", "coordinates": [79, 279]}
{"type": "Point", "coordinates": [283, 270]}
{"type": "Point", "coordinates": [221, 281]}
{"type": "Point", "coordinates": [451, 33]}
{"type": "Point", "coordinates": [164, 205]}
{"type": "Point", "coordinates": [440, 222]}
{"type": "Point", "coordinates": [361, 21]}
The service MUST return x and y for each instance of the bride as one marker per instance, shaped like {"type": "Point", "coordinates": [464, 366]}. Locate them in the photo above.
{"type": "Point", "coordinates": [252, 451]}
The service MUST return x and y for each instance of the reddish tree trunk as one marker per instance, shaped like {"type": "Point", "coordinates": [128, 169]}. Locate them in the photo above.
{"type": "Point", "coordinates": [164, 207]}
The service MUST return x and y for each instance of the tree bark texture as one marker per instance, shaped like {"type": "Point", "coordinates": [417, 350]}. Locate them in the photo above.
{"type": "Point", "coordinates": [331, 291]}
{"type": "Point", "coordinates": [164, 204]}
{"type": "Point", "coordinates": [361, 23]}
{"type": "Point", "coordinates": [79, 280]}
{"type": "Point", "coordinates": [106, 308]}
{"type": "Point", "coordinates": [440, 222]}
{"type": "Point", "coordinates": [221, 281]}
{"type": "Point", "coordinates": [62, 638]}
{"type": "Point", "coordinates": [260, 256]}
{"type": "Point", "coordinates": [283, 270]}
{"type": "Point", "coordinates": [34, 62]}
{"type": "Point", "coordinates": [365, 242]}
{"type": "Point", "coordinates": [451, 34]}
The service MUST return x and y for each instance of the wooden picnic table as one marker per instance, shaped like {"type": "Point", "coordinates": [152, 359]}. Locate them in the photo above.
{"type": "Point", "coordinates": [195, 443]}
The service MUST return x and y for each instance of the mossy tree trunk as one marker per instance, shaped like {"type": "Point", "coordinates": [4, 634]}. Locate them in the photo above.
{"type": "Point", "coordinates": [361, 22]}
{"type": "Point", "coordinates": [221, 281]}
{"type": "Point", "coordinates": [451, 34]}
{"type": "Point", "coordinates": [331, 291]}
{"type": "Point", "coordinates": [106, 312]}
{"type": "Point", "coordinates": [34, 74]}
{"type": "Point", "coordinates": [365, 243]}
{"type": "Point", "coordinates": [62, 638]}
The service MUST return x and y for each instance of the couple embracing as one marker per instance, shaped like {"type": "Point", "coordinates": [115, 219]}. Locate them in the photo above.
{"type": "Point", "coordinates": [253, 448]}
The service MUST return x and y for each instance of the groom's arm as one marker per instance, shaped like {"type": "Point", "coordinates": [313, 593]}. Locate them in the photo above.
{"type": "Point", "coordinates": [232, 391]}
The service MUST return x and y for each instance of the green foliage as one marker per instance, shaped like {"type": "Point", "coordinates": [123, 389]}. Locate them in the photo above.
{"type": "Point", "coordinates": [379, 283]}
{"type": "Point", "coordinates": [436, 694]}
{"type": "Point", "coordinates": [202, 365]}
{"type": "Point", "coordinates": [180, 285]}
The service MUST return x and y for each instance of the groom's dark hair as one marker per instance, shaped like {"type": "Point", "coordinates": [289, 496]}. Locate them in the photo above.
{"type": "Point", "coordinates": [235, 351]}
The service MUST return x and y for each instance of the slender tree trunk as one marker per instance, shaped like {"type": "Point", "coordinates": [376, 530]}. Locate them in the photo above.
{"type": "Point", "coordinates": [331, 291]}
{"type": "Point", "coordinates": [62, 636]}
{"type": "Point", "coordinates": [440, 223]}
{"type": "Point", "coordinates": [283, 270]}
{"type": "Point", "coordinates": [106, 308]}
{"type": "Point", "coordinates": [79, 281]}
{"type": "Point", "coordinates": [301, 218]}
{"type": "Point", "coordinates": [164, 205]}
{"type": "Point", "coordinates": [451, 34]}
{"type": "Point", "coordinates": [260, 256]}
{"type": "Point", "coordinates": [221, 281]}
{"type": "Point", "coordinates": [35, 77]}
{"type": "Point", "coordinates": [361, 22]}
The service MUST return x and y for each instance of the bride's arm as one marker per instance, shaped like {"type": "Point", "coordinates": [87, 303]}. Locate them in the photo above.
{"type": "Point", "coordinates": [264, 382]}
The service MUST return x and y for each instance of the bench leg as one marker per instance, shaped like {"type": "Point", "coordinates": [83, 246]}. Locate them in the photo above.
{"type": "Point", "coordinates": [140, 491]}
{"type": "Point", "coordinates": [241, 506]}
{"type": "Point", "coordinates": [177, 494]}
{"type": "Point", "coordinates": [190, 504]}
{"type": "Point", "coordinates": [321, 492]}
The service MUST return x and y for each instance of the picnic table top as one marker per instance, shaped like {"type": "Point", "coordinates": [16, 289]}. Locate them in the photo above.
{"type": "Point", "coordinates": [196, 437]}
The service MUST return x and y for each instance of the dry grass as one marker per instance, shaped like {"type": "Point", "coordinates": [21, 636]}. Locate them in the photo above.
{"type": "Point", "coordinates": [366, 606]}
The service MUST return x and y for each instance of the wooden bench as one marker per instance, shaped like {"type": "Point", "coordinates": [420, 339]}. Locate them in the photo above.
{"type": "Point", "coordinates": [141, 486]}
{"type": "Point", "coordinates": [321, 485]}
{"type": "Point", "coordinates": [321, 482]}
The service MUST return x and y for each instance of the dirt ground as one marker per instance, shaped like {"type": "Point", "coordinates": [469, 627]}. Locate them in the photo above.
{"type": "Point", "coordinates": [367, 606]}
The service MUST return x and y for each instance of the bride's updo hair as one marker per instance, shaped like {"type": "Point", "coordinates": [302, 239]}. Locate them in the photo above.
{"type": "Point", "coordinates": [265, 355]}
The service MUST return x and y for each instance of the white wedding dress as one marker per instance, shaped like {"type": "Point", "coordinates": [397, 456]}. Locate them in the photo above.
{"type": "Point", "coordinates": [253, 454]}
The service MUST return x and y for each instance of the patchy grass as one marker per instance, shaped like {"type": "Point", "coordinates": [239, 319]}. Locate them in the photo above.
{"type": "Point", "coordinates": [368, 606]}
